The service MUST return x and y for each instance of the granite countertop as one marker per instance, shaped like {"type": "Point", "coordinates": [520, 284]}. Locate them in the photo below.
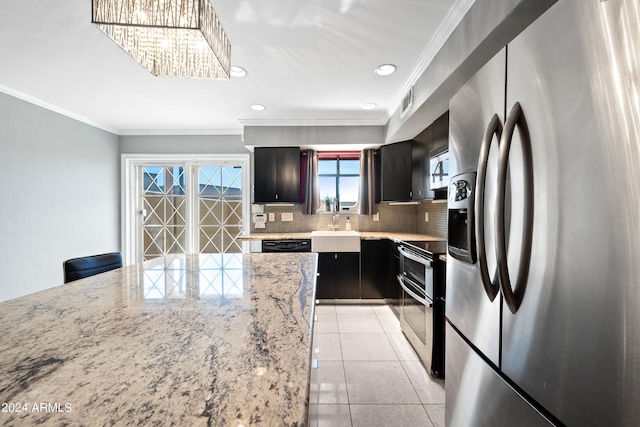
{"type": "Point", "coordinates": [364, 234]}
{"type": "Point", "coordinates": [218, 340]}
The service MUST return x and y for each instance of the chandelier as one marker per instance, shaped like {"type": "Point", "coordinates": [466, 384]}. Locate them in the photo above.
{"type": "Point", "coordinates": [170, 38]}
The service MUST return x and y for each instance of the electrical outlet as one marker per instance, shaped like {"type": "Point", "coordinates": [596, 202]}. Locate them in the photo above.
{"type": "Point", "coordinates": [376, 216]}
{"type": "Point", "coordinates": [272, 217]}
{"type": "Point", "coordinates": [286, 216]}
{"type": "Point", "coordinates": [426, 217]}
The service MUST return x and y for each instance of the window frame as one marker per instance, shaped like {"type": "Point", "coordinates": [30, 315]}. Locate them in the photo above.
{"type": "Point", "coordinates": [129, 185]}
{"type": "Point", "coordinates": [338, 156]}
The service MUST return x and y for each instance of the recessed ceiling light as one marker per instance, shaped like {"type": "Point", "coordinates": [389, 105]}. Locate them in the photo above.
{"type": "Point", "coordinates": [369, 105]}
{"type": "Point", "coordinates": [238, 71]}
{"type": "Point", "coordinates": [385, 69]}
{"type": "Point", "coordinates": [257, 107]}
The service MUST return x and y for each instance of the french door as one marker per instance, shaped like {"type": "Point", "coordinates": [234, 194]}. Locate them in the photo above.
{"type": "Point", "coordinates": [175, 206]}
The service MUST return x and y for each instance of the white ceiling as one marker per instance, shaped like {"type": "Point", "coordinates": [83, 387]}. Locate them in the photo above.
{"type": "Point", "coordinates": [310, 62]}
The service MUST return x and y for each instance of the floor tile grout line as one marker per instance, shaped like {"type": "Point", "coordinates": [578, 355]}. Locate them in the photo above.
{"type": "Point", "coordinates": [398, 360]}
{"type": "Point", "coordinates": [346, 383]}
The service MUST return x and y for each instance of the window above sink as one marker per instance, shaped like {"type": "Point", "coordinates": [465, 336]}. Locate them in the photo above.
{"type": "Point", "coordinates": [339, 179]}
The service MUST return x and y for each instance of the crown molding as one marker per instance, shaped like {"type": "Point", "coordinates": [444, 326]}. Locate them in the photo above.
{"type": "Point", "coordinates": [56, 109]}
{"type": "Point", "coordinates": [448, 25]}
{"type": "Point", "coordinates": [314, 122]}
{"type": "Point", "coordinates": [180, 132]}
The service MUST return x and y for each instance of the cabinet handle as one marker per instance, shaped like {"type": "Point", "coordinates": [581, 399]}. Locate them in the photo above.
{"type": "Point", "coordinates": [276, 197]}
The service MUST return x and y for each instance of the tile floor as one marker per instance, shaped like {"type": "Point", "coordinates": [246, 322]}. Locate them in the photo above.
{"type": "Point", "coordinates": [367, 374]}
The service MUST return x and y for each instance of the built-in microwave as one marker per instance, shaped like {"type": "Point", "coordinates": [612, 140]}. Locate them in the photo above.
{"type": "Point", "coordinates": [439, 168]}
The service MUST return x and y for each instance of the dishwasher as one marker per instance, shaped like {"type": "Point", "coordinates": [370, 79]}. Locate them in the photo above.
{"type": "Point", "coordinates": [287, 245]}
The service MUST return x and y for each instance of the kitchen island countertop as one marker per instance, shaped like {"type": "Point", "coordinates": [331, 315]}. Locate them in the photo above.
{"type": "Point", "coordinates": [219, 340]}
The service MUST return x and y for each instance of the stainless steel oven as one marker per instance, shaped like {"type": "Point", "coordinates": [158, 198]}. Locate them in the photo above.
{"type": "Point", "coordinates": [422, 310]}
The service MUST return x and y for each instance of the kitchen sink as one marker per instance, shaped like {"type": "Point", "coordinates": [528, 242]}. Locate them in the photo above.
{"type": "Point", "coordinates": [335, 241]}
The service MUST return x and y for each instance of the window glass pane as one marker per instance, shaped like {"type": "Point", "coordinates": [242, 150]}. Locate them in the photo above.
{"type": "Point", "coordinates": [209, 182]}
{"type": "Point", "coordinates": [349, 190]}
{"type": "Point", "coordinates": [327, 167]}
{"type": "Point", "coordinates": [327, 185]}
{"type": "Point", "coordinates": [349, 167]}
{"type": "Point", "coordinates": [348, 180]}
{"type": "Point", "coordinates": [153, 179]}
{"type": "Point", "coordinates": [177, 172]}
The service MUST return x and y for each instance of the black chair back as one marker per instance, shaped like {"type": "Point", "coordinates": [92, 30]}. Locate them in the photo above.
{"type": "Point", "coordinates": [79, 268]}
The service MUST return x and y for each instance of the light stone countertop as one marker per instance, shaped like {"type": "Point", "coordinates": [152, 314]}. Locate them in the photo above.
{"type": "Point", "coordinates": [185, 341]}
{"type": "Point", "coordinates": [397, 236]}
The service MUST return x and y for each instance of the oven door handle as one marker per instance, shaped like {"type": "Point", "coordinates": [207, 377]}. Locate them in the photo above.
{"type": "Point", "coordinates": [415, 296]}
{"type": "Point", "coordinates": [413, 257]}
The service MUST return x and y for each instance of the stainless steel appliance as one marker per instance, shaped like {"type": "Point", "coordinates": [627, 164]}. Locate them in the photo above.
{"type": "Point", "coordinates": [286, 245]}
{"type": "Point", "coordinates": [543, 326]}
{"type": "Point", "coordinates": [422, 301]}
{"type": "Point", "coordinates": [394, 297]}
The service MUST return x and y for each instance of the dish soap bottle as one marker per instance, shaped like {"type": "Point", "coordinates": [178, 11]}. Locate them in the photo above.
{"type": "Point", "coordinates": [347, 225]}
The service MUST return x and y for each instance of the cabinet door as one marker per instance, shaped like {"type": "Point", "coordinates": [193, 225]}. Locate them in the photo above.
{"type": "Point", "coordinates": [422, 145]}
{"type": "Point", "coordinates": [440, 138]}
{"type": "Point", "coordinates": [441, 131]}
{"type": "Point", "coordinates": [347, 275]}
{"type": "Point", "coordinates": [277, 174]}
{"type": "Point", "coordinates": [288, 164]}
{"type": "Point", "coordinates": [373, 277]}
{"type": "Point", "coordinates": [396, 172]}
{"type": "Point", "coordinates": [265, 171]}
{"type": "Point", "coordinates": [420, 169]}
{"type": "Point", "coordinates": [326, 283]}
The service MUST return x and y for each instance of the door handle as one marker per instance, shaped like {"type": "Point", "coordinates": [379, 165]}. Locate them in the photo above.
{"type": "Point", "coordinates": [491, 285]}
{"type": "Point", "coordinates": [513, 295]}
{"type": "Point", "coordinates": [421, 300]}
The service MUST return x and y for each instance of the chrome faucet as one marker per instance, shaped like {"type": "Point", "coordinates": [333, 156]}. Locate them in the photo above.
{"type": "Point", "coordinates": [333, 224]}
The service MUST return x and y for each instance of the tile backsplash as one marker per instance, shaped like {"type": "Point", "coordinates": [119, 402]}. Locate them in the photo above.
{"type": "Point", "coordinates": [437, 224]}
{"type": "Point", "coordinates": [395, 218]}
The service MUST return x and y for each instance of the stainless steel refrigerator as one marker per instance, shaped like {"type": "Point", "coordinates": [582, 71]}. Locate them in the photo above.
{"type": "Point", "coordinates": [543, 273]}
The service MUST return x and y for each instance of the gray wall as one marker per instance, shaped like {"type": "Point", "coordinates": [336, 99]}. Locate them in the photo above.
{"type": "Point", "coordinates": [59, 197]}
{"type": "Point", "coordinates": [182, 144]}
{"type": "Point", "coordinates": [316, 136]}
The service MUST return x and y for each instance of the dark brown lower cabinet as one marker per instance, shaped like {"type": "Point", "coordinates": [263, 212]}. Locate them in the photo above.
{"type": "Point", "coordinates": [338, 275]}
{"type": "Point", "coordinates": [374, 275]}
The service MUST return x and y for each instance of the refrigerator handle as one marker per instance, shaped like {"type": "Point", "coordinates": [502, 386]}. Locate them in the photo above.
{"type": "Point", "coordinates": [513, 295]}
{"type": "Point", "coordinates": [491, 286]}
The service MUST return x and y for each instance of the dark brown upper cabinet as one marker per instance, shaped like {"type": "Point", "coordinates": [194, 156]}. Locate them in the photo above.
{"type": "Point", "coordinates": [395, 175]}
{"type": "Point", "coordinates": [422, 144]}
{"type": "Point", "coordinates": [277, 174]}
{"type": "Point", "coordinates": [435, 136]}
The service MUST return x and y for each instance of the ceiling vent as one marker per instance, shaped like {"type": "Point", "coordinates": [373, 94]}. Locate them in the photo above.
{"type": "Point", "coordinates": [407, 102]}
